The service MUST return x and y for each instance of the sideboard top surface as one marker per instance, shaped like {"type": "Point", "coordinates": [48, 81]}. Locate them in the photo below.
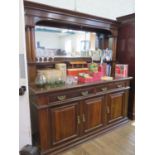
{"type": "Point", "coordinates": [35, 90]}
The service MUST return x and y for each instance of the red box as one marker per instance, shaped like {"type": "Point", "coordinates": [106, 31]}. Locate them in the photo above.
{"type": "Point", "coordinates": [121, 70]}
{"type": "Point", "coordinates": [95, 77]}
{"type": "Point", "coordinates": [76, 71]}
{"type": "Point", "coordinates": [85, 80]}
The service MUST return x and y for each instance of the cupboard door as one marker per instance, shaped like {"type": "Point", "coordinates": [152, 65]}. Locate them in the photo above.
{"type": "Point", "coordinates": [65, 121]}
{"type": "Point", "coordinates": [93, 113]}
{"type": "Point", "coordinates": [116, 106]}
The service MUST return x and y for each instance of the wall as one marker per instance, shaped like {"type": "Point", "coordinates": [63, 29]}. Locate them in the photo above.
{"type": "Point", "coordinates": [75, 43]}
{"type": "Point", "coordinates": [104, 8]}
{"type": "Point", "coordinates": [24, 110]}
{"type": "Point", "coordinates": [47, 39]}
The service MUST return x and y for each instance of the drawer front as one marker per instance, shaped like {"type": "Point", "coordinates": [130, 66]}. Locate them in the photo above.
{"type": "Point", "coordinates": [127, 83]}
{"type": "Point", "coordinates": [117, 85]}
{"type": "Point", "coordinates": [81, 92]}
{"type": "Point", "coordinates": [62, 96]}
{"type": "Point", "coordinates": [102, 88]}
{"type": "Point", "coordinates": [65, 95]}
{"type": "Point", "coordinates": [87, 91]}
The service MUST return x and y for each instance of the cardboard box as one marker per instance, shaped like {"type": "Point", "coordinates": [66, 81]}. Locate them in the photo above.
{"type": "Point", "coordinates": [121, 70]}
{"type": "Point", "coordinates": [76, 71]}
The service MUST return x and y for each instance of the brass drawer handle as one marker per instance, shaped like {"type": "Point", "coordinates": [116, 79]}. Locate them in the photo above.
{"type": "Point", "coordinates": [84, 93]}
{"type": "Point", "coordinates": [61, 98]}
{"type": "Point", "coordinates": [78, 119]}
{"type": "Point", "coordinates": [104, 89]}
{"type": "Point", "coordinates": [119, 86]}
{"type": "Point", "coordinates": [83, 118]}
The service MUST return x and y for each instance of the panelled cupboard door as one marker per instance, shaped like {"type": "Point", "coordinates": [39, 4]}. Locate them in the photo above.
{"type": "Point", "coordinates": [116, 106]}
{"type": "Point", "coordinates": [93, 113]}
{"type": "Point", "coordinates": [64, 123]}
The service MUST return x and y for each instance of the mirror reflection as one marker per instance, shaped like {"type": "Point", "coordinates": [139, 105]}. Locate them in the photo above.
{"type": "Point", "coordinates": [53, 42]}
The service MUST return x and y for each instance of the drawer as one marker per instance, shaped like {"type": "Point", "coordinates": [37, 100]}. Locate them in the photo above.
{"type": "Point", "coordinates": [102, 88]}
{"type": "Point", "coordinates": [87, 91]}
{"type": "Point", "coordinates": [117, 85]}
{"type": "Point", "coordinates": [64, 95]}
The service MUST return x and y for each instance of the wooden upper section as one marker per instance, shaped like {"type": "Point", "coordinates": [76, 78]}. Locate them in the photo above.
{"type": "Point", "coordinates": [40, 14]}
{"type": "Point", "coordinates": [127, 18]}
{"type": "Point", "coordinates": [44, 15]}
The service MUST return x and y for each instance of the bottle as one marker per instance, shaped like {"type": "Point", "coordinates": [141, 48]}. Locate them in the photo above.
{"type": "Point", "coordinates": [40, 80]}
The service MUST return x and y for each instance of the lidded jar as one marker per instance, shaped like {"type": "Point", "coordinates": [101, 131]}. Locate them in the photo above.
{"type": "Point", "coordinates": [40, 79]}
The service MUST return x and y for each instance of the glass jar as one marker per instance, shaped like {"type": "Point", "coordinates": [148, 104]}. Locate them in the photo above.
{"type": "Point", "coordinates": [40, 80]}
{"type": "Point", "coordinates": [69, 80]}
{"type": "Point", "coordinates": [93, 67]}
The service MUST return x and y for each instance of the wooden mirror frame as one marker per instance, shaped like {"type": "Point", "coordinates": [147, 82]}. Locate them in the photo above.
{"type": "Point", "coordinates": [40, 14]}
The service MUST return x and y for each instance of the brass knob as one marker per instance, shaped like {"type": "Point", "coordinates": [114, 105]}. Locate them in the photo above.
{"type": "Point", "coordinates": [108, 111]}
{"type": "Point", "coordinates": [104, 89]}
{"type": "Point", "coordinates": [84, 93]}
{"type": "Point", "coordinates": [119, 86]}
{"type": "Point", "coordinates": [83, 118]}
{"type": "Point", "coordinates": [61, 98]}
{"type": "Point", "coordinates": [78, 119]}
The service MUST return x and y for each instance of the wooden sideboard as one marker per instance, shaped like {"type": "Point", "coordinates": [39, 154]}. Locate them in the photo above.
{"type": "Point", "coordinates": [67, 116]}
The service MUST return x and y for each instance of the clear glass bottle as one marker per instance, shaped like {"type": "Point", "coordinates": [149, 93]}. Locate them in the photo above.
{"type": "Point", "coordinates": [40, 80]}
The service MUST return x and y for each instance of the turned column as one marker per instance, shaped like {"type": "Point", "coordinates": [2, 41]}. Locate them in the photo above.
{"type": "Point", "coordinates": [31, 54]}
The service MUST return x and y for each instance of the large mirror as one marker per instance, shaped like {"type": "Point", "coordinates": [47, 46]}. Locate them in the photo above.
{"type": "Point", "coordinates": [55, 42]}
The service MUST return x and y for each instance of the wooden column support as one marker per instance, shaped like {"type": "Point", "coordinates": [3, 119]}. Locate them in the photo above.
{"type": "Point", "coordinates": [30, 48]}
{"type": "Point", "coordinates": [114, 44]}
{"type": "Point", "coordinates": [30, 43]}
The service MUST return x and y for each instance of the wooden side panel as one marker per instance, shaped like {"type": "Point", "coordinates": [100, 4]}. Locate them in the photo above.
{"type": "Point", "coordinates": [32, 73]}
{"type": "Point", "coordinates": [126, 103]}
{"type": "Point", "coordinates": [116, 103]}
{"type": "Point", "coordinates": [126, 54]}
{"type": "Point", "coordinates": [114, 46]}
{"type": "Point", "coordinates": [44, 129]}
{"type": "Point", "coordinates": [42, 100]}
{"type": "Point", "coordinates": [93, 113]}
{"type": "Point", "coordinates": [64, 123]}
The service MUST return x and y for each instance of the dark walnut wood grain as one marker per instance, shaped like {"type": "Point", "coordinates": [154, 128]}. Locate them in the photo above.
{"type": "Point", "coordinates": [44, 15]}
{"type": "Point", "coordinates": [126, 54]}
{"type": "Point", "coordinates": [62, 124]}
{"type": "Point", "coordinates": [66, 116]}
{"type": "Point", "coordinates": [115, 108]}
{"type": "Point", "coordinates": [93, 113]}
{"type": "Point", "coordinates": [44, 127]}
{"type": "Point", "coordinates": [64, 121]}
